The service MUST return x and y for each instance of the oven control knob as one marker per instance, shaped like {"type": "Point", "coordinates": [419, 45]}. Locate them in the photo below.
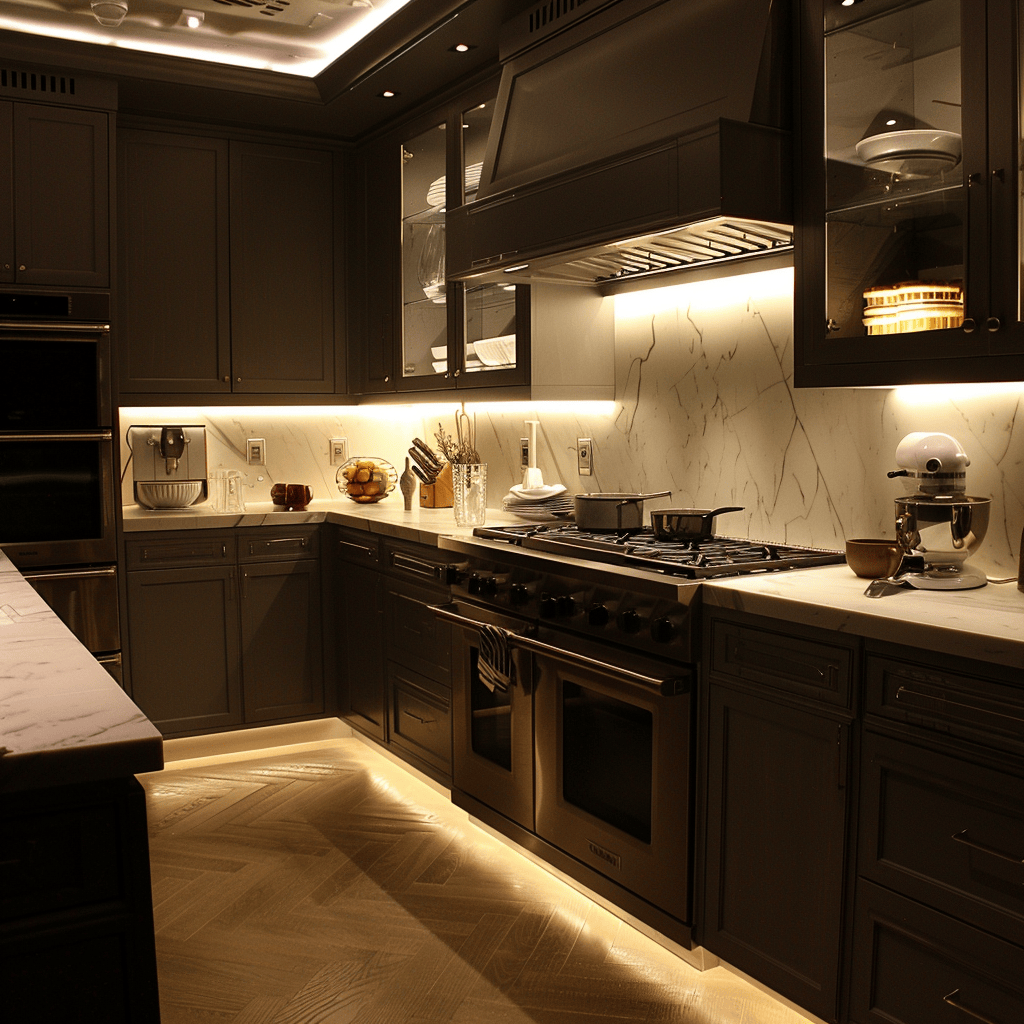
{"type": "Point", "coordinates": [518, 594]}
{"type": "Point", "coordinates": [548, 606]}
{"type": "Point", "coordinates": [489, 586]}
{"type": "Point", "coordinates": [473, 584]}
{"type": "Point", "coordinates": [663, 630]}
{"type": "Point", "coordinates": [630, 621]}
{"type": "Point", "coordinates": [566, 606]}
{"type": "Point", "coordinates": [598, 615]}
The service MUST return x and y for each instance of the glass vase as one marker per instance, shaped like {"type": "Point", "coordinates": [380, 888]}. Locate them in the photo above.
{"type": "Point", "coordinates": [469, 493]}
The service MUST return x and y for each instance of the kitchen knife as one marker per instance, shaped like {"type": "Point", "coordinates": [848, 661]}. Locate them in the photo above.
{"type": "Point", "coordinates": [428, 454]}
{"type": "Point", "coordinates": [428, 470]}
{"type": "Point", "coordinates": [419, 473]}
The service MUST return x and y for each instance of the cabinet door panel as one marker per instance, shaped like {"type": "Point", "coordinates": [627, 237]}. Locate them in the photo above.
{"type": "Point", "coordinates": [61, 182]}
{"type": "Point", "coordinates": [360, 656]}
{"type": "Point", "coordinates": [282, 269]}
{"type": "Point", "coordinates": [282, 662]}
{"type": "Point", "coordinates": [775, 845]}
{"type": "Point", "coordinates": [421, 723]}
{"type": "Point", "coordinates": [184, 643]}
{"type": "Point", "coordinates": [173, 227]}
{"type": "Point", "coordinates": [6, 192]}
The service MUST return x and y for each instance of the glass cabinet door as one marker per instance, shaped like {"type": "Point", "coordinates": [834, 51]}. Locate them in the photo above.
{"type": "Point", "coordinates": [896, 191]}
{"type": "Point", "coordinates": [424, 340]}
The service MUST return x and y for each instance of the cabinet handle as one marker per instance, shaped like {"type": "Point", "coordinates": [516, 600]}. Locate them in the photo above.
{"type": "Point", "coordinates": [999, 174]}
{"type": "Point", "coordinates": [21, 266]}
{"type": "Point", "coordinates": [962, 837]}
{"type": "Point", "coordinates": [238, 380]}
{"type": "Point", "coordinates": [400, 560]}
{"type": "Point", "coordinates": [832, 325]}
{"type": "Point", "coordinates": [944, 702]}
{"type": "Point", "coordinates": [992, 324]}
{"type": "Point", "coordinates": [416, 718]}
{"type": "Point", "coordinates": [227, 380]}
{"type": "Point", "coordinates": [953, 1000]}
{"type": "Point", "coordinates": [969, 325]}
{"type": "Point", "coordinates": [361, 548]}
{"type": "Point", "coordinates": [286, 540]}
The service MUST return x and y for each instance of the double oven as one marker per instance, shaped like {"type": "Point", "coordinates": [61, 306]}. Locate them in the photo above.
{"type": "Point", "coordinates": [574, 688]}
{"type": "Point", "coordinates": [57, 476]}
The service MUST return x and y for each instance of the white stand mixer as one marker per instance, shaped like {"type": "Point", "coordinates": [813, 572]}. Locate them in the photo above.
{"type": "Point", "coordinates": [940, 524]}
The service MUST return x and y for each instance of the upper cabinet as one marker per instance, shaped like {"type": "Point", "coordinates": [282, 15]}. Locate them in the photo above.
{"type": "Point", "coordinates": [228, 272]}
{"type": "Point", "coordinates": [54, 196]}
{"type": "Point", "coordinates": [413, 329]}
{"type": "Point", "coordinates": [909, 248]}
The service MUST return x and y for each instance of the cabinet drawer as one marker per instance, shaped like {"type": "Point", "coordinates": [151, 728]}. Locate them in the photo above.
{"type": "Point", "coordinates": [417, 638]}
{"type": "Point", "coordinates": [946, 832]}
{"type": "Point", "coordinates": [795, 663]}
{"type": "Point", "coordinates": [421, 722]}
{"type": "Point", "coordinates": [419, 563]}
{"type": "Point", "coordinates": [988, 709]}
{"type": "Point", "coordinates": [199, 547]}
{"type": "Point", "coordinates": [267, 545]}
{"type": "Point", "coordinates": [913, 965]}
{"type": "Point", "coordinates": [356, 546]}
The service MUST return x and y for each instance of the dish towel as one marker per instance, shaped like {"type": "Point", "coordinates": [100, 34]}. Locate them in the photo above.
{"type": "Point", "coordinates": [495, 667]}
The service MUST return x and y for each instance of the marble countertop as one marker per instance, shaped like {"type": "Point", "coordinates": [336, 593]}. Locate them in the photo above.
{"type": "Point", "coordinates": [62, 717]}
{"type": "Point", "coordinates": [986, 623]}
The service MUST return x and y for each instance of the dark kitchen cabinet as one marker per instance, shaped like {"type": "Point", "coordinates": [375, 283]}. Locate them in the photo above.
{"type": "Point", "coordinates": [939, 913]}
{"type": "Point", "coordinates": [225, 628]}
{"type": "Point", "coordinates": [54, 195]}
{"type": "Point", "coordinates": [228, 270]}
{"type": "Point", "coordinates": [908, 255]}
{"type": "Point", "coordinates": [778, 735]}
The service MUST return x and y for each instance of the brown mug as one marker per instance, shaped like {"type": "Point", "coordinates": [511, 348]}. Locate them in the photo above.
{"type": "Point", "coordinates": [292, 497]}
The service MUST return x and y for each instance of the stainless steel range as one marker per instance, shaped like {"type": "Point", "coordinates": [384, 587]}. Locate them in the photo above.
{"type": "Point", "coordinates": [583, 750]}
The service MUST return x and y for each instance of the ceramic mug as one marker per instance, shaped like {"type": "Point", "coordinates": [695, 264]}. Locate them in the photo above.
{"type": "Point", "coordinates": [292, 497]}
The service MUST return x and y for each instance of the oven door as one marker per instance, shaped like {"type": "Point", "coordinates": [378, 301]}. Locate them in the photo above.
{"type": "Point", "coordinates": [613, 735]}
{"type": "Point", "coordinates": [86, 602]}
{"type": "Point", "coordinates": [492, 731]}
{"type": "Point", "coordinates": [58, 498]}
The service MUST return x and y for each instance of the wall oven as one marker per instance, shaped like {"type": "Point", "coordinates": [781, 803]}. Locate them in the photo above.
{"type": "Point", "coordinates": [57, 475]}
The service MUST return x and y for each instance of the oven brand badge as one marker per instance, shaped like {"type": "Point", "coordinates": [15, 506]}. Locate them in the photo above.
{"type": "Point", "coordinates": [606, 855]}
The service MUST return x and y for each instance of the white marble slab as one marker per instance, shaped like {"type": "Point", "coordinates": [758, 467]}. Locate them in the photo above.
{"type": "Point", "coordinates": [63, 718]}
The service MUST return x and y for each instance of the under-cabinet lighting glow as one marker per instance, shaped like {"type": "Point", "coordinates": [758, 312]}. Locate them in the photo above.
{"type": "Point", "coordinates": [726, 291]}
{"type": "Point", "coordinates": [914, 395]}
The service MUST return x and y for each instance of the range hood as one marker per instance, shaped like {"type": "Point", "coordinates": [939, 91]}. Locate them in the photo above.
{"type": "Point", "coordinates": [632, 138]}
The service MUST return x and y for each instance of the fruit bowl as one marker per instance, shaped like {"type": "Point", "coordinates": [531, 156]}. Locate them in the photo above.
{"type": "Point", "coordinates": [366, 480]}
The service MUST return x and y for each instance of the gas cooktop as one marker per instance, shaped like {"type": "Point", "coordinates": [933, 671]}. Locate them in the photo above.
{"type": "Point", "coordinates": [698, 559]}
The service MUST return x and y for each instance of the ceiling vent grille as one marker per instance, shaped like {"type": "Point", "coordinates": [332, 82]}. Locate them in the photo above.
{"type": "Point", "coordinates": [541, 21]}
{"type": "Point", "coordinates": [547, 14]}
{"type": "Point", "coordinates": [37, 82]}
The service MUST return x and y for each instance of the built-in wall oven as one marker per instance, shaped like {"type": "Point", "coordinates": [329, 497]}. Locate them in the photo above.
{"type": "Point", "coordinates": [57, 477]}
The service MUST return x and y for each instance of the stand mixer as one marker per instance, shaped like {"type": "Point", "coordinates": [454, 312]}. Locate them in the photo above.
{"type": "Point", "coordinates": [940, 524]}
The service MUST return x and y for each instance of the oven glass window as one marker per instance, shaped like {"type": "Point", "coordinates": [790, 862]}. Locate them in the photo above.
{"type": "Point", "coordinates": [607, 759]}
{"type": "Point", "coordinates": [48, 384]}
{"type": "Point", "coordinates": [52, 491]}
{"type": "Point", "coordinates": [491, 714]}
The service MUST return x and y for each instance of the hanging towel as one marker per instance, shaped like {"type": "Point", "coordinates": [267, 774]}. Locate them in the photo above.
{"type": "Point", "coordinates": [494, 665]}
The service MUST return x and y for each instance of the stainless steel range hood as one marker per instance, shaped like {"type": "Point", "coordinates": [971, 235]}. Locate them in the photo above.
{"type": "Point", "coordinates": [632, 138]}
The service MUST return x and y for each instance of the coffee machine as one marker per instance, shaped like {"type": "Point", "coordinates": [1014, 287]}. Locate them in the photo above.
{"type": "Point", "coordinates": [168, 465]}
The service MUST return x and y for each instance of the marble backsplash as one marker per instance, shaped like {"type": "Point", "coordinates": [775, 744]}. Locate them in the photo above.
{"type": "Point", "coordinates": [705, 407]}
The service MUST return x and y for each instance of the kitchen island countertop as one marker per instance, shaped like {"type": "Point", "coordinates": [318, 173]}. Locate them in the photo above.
{"type": "Point", "coordinates": [62, 717]}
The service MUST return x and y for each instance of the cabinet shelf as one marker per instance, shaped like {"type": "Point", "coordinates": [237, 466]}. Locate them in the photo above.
{"type": "Point", "coordinates": [905, 198]}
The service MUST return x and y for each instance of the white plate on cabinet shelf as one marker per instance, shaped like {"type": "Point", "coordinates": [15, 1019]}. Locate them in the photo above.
{"type": "Point", "coordinates": [918, 153]}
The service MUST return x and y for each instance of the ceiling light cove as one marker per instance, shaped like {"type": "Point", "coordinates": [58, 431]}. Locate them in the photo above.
{"type": "Point", "coordinates": [298, 37]}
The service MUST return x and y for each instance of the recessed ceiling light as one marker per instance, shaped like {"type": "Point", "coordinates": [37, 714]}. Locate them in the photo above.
{"type": "Point", "coordinates": [191, 19]}
{"type": "Point", "coordinates": [387, 94]}
{"type": "Point", "coordinates": [462, 48]}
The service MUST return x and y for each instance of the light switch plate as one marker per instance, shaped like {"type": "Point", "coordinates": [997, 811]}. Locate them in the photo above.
{"type": "Point", "coordinates": [256, 451]}
{"type": "Point", "coordinates": [584, 456]}
{"type": "Point", "coordinates": [524, 452]}
{"type": "Point", "coordinates": [339, 450]}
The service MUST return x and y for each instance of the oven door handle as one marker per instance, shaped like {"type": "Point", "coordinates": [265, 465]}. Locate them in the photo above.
{"type": "Point", "coordinates": [668, 686]}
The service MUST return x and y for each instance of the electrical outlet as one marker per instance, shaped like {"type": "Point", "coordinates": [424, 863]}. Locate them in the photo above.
{"type": "Point", "coordinates": [524, 452]}
{"type": "Point", "coordinates": [584, 456]}
{"type": "Point", "coordinates": [256, 451]}
{"type": "Point", "coordinates": [339, 450]}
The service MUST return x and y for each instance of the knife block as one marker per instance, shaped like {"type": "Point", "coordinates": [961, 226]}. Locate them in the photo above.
{"type": "Point", "coordinates": [439, 494]}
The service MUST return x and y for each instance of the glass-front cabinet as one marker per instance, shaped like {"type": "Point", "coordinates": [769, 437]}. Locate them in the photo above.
{"type": "Point", "coordinates": [909, 261]}
{"type": "Point", "coordinates": [422, 332]}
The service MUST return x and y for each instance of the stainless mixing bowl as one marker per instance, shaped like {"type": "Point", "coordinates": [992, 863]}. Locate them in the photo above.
{"type": "Point", "coordinates": [946, 530]}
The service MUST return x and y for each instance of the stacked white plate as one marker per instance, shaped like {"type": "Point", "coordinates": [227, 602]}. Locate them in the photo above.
{"type": "Point", "coordinates": [539, 503]}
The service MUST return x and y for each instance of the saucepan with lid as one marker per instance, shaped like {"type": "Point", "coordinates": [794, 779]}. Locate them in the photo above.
{"type": "Point", "coordinates": [687, 523]}
{"type": "Point", "coordinates": [607, 510]}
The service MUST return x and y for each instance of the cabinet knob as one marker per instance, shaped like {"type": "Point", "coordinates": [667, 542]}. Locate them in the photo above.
{"type": "Point", "coordinates": [992, 324]}
{"type": "Point", "coordinates": [831, 325]}
{"type": "Point", "coordinates": [227, 380]}
{"type": "Point", "coordinates": [21, 266]}
{"type": "Point", "coordinates": [387, 377]}
{"type": "Point", "coordinates": [969, 326]}
{"type": "Point", "coordinates": [457, 372]}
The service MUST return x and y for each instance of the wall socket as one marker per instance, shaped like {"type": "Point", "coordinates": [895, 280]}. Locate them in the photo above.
{"type": "Point", "coordinates": [524, 452]}
{"type": "Point", "coordinates": [339, 450]}
{"type": "Point", "coordinates": [256, 451]}
{"type": "Point", "coordinates": [584, 456]}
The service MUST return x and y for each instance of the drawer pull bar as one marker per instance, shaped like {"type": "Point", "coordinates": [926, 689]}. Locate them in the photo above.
{"type": "Point", "coordinates": [904, 692]}
{"type": "Point", "coordinates": [953, 1000]}
{"type": "Point", "coordinates": [415, 718]}
{"type": "Point", "coordinates": [962, 837]}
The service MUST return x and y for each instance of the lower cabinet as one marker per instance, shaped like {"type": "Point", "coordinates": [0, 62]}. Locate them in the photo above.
{"type": "Point", "coordinates": [224, 628]}
{"type": "Point", "coordinates": [777, 805]}
{"type": "Point", "coordinates": [394, 655]}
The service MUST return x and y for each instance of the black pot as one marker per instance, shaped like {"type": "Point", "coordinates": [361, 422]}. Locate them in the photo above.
{"type": "Point", "coordinates": [612, 511]}
{"type": "Point", "coordinates": [687, 523]}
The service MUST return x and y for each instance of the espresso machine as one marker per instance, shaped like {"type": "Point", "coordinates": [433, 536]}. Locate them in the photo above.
{"type": "Point", "coordinates": [168, 465]}
{"type": "Point", "coordinates": [940, 524]}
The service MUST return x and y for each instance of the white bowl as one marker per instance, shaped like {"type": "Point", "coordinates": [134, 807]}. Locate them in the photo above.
{"type": "Point", "coordinates": [168, 494]}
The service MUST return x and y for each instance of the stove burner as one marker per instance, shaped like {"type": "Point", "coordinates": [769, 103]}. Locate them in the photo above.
{"type": "Point", "coordinates": [697, 559]}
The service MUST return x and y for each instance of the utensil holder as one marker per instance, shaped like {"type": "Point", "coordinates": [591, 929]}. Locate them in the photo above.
{"type": "Point", "coordinates": [439, 494]}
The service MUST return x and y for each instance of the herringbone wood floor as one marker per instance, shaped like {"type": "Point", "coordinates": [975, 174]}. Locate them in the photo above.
{"type": "Point", "coordinates": [328, 886]}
